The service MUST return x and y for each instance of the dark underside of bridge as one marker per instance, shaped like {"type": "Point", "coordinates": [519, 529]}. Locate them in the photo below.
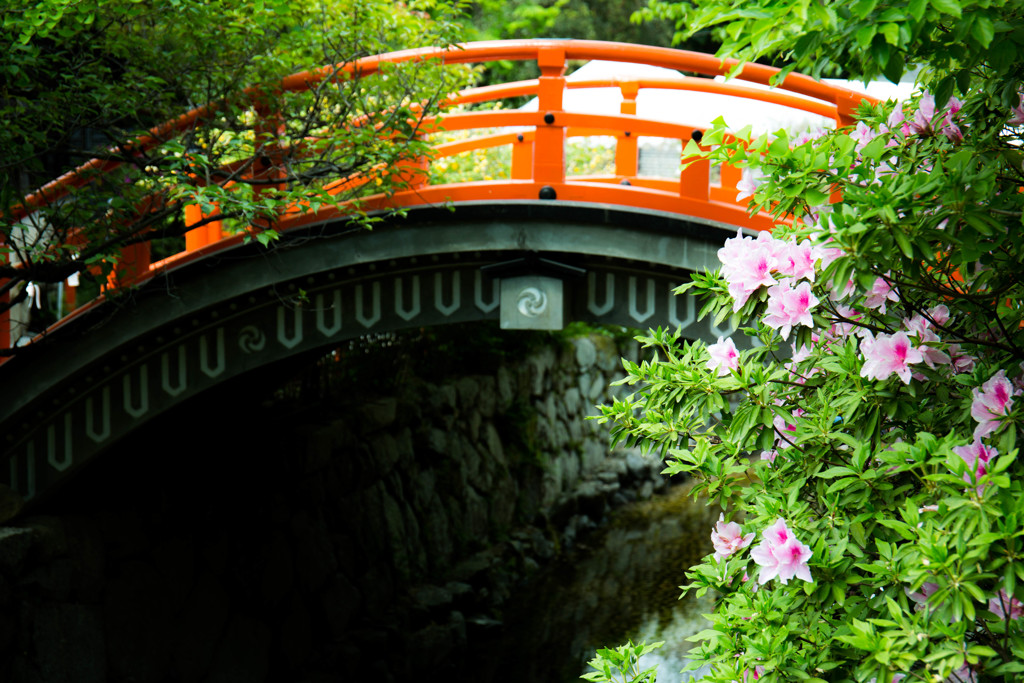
{"type": "Point", "coordinates": [363, 514]}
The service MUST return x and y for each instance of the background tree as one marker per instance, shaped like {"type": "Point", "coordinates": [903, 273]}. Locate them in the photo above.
{"type": "Point", "coordinates": [611, 20]}
{"type": "Point", "coordinates": [92, 78]}
{"type": "Point", "coordinates": [865, 453]}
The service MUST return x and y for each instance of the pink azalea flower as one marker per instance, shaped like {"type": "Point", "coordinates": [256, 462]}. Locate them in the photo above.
{"type": "Point", "coordinates": [896, 678]}
{"type": "Point", "coordinates": [921, 597]}
{"type": "Point", "coordinates": [888, 354]}
{"type": "Point", "coordinates": [750, 180]}
{"type": "Point", "coordinates": [923, 116]}
{"type": "Point", "coordinates": [1005, 606]}
{"type": "Point", "coordinates": [863, 134]}
{"type": "Point", "coordinates": [960, 362]}
{"type": "Point", "coordinates": [797, 260]}
{"type": "Point", "coordinates": [728, 538]}
{"type": "Point", "coordinates": [880, 292]}
{"type": "Point", "coordinates": [1017, 113]}
{"type": "Point", "coordinates": [847, 290]}
{"type": "Point", "coordinates": [724, 357]}
{"type": "Point", "coordinates": [840, 329]}
{"type": "Point", "coordinates": [992, 403]}
{"type": "Point", "coordinates": [964, 674]}
{"type": "Point", "coordinates": [896, 119]}
{"type": "Point", "coordinates": [758, 672]}
{"type": "Point", "coordinates": [780, 555]}
{"type": "Point", "coordinates": [789, 306]}
{"type": "Point", "coordinates": [801, 354]}
{"type": "Point", "coordinates": [977, 456]}
{"type": "Point", "coordinates": [949, 128]}
{"type": "Point", "coordinates": [939, 314]}
{"type": "Point", "coordinates": [808, 135]}
{"type": "Point", "coordinates": [748, 264]}
{"type": "Point", "coordinates": [785, 431]}
{"type": "Point", "coordinates": [921, 327]}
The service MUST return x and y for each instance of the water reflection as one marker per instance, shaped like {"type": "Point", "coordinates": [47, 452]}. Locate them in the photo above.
{"type": "Point", "coordinates": [621, 583]}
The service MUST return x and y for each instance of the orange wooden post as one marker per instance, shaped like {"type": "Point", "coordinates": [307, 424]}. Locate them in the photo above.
{"type": "Point", "coordinates": [731, 175]}
{"type": "Point", "coordinates": [626, 143]}
{"type": "Point", "coordinates": [695, 178]}
{"type": "Point", "coordinates": [549, 142]}
{"type": "Point", "coordinates": [204, 234]}
{"type": "Point", "coordinates": [415, 173]}
{"type": "Point", "coordinates": [134, 263]}
{"type": "Point", "coordinates": [846, 107]}
{"type": "Point", "coordinates": [522, 157]}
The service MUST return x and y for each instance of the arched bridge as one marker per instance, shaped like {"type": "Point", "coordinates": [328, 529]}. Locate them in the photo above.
{"type": "Point", "coordinates": [535, 249]}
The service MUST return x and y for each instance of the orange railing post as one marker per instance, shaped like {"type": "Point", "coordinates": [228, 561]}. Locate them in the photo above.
{"type": "Point", "coordinates": [132, 265]}
{"type": "Point", "coordinates": [209, 233]}
{"type": "Point", "coordinates": [694, 178]}
{"type": "Point", "coordinates": [729, 178]}
{"type": "Point", "coordinates": [626, 148]}
{"type": "Point", "coordinates": [414, 172]}
{"type": "Point", "coordinates": [522, 157]}
{"type": "Point", "coordinates": [549, 141]}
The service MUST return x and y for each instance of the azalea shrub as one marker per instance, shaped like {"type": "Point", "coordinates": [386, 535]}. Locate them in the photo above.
{"type": "Point", "coordinates": [862, 440]}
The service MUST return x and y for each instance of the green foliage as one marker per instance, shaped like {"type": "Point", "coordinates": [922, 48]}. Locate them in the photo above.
{"type": "Point", "coordinates": [905, 488]}
{"type": "Point", "coordinates": [865, 38]}
{"type": "Point", "coordinates": [87, 79]}
{"type": "Point", "coordinates": [578, 19]}
{"type": "Point", "coordinates": [622, 664]}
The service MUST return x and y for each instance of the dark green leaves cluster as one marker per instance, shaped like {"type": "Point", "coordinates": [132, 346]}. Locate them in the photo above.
{"type": "Point", "coordinates": [88, 79]}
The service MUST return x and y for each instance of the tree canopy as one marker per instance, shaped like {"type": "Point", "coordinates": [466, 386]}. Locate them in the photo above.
{"type": "Point", "coordinates": [91, 79]}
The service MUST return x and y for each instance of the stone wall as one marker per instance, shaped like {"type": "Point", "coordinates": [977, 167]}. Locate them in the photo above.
{"type": "Point", "coordinates": [362, 538]}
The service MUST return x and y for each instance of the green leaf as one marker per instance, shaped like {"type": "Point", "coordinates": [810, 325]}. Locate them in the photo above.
{"type": "Point", "coordinates": [863, 8]}
{"type": "Point", "coordinates": [865, 35]}
{"type": "Point", "coordinates": [983, 30]}
{"type": "Point", "coordinates": [836, 471]}
{"type": "Point", "coordinates": [903, 242]}
{"type": "Point", "coordinates": [880, 51]}
{"type": "Point", "coordinates": [891, 33]}
{"type": "Point", "coordinates": [951, 7]}
{"type": "Point", "coordinates": [815, 197]}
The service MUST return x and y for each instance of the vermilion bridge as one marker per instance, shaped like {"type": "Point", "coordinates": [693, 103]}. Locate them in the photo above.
{"type": "Point", "coordinates": [535, 249]}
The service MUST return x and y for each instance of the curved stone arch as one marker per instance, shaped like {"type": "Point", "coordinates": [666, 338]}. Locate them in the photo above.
{"type": "Point", "coordinates": [104, 375]}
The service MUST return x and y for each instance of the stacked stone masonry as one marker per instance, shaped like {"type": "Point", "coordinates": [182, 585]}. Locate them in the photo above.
{"type": "Point", "coordinates": [361, 541]}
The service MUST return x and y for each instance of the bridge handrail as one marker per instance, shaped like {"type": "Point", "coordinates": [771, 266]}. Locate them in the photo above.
{"type": "Point", "coordinates": [538, 152]}
{"type": "Point", "coordinates": [687, 83]}
{"type": "Point", "coordinates": [845, 101]}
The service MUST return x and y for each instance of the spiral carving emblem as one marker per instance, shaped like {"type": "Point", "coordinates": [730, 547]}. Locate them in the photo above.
{"type": "Point", "coordinates": [251, 339]}
{"type": "Point", "coordinates": [532, 302]}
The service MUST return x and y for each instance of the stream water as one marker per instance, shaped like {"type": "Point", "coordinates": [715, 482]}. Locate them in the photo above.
{"type": "Point", "coordinates": [622, 582]}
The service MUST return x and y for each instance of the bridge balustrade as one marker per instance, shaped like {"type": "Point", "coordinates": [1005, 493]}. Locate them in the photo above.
{"type": "Point", "coordinates": [537, 140]}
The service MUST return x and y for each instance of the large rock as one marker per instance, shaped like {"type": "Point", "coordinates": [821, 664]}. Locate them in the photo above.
{"type": "Point", "coordinates": [586, 352]}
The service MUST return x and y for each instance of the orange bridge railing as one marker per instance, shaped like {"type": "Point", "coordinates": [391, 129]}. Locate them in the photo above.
{"type": "Point", "coordinates": [537, 140]}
